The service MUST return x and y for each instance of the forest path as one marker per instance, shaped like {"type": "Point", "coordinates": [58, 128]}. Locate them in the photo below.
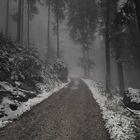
{"type": "Point", "coordinates": [70, 114]}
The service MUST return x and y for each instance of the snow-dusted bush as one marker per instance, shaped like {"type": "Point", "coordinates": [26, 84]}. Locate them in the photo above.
{"type": "Point", "coordinates": [24, 79]}
{"type": "Point", "coordinates": [132, 98]}
{"type": "Point", "coordinates": [134, 95]}
{"type": "Point", "coordinates": [61, 70]}
{"type": "Point", "coordinates": [21, 68]}
{"type": "Point", "coordinates": [121, 123]}
{"type": "Point", "coordinates": [17, 63]}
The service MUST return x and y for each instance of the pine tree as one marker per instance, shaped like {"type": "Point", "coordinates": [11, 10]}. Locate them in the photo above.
{"type": "Point", "coordinates": [58, 8]}
{"type": "Point", "coordinates": [28, 24]}
{"type": "Point", "coordinates": [137, 3]}
{"type": "Point", "coordinates": [19, 21]}
{"type": "Point", "coordinates": [7, 19]}
{"type": "Point", "coordinates": [107, 47]}
{"type": "Point", "coordinates": [82, 20]}
{"type": "Point", "coordinates": [48, 37]}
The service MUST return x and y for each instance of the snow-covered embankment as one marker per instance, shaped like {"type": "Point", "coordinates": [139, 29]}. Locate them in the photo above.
{"type": "Point", "coordinates": [24, 106]}
{"type": "Point", "coordinates": [121, 123]}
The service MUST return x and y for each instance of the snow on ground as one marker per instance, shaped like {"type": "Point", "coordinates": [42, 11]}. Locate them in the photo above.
{"type": "Point", "coordinates": [121, 123]}
{"type": "Point", "coordinates": [134, 95]}
{"type": "Point", "coordinates": [22, 107]}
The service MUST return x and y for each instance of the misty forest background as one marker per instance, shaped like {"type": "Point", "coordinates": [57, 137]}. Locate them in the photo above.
{"type": "Point", "coordinates": [101, 37]}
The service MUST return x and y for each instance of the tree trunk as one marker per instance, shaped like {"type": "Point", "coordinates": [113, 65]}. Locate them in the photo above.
{"type": "Point", "coordinates": [84, 59]}
{"type": "Point", "coordinates": [120, 77]}
{"type": "Point", "coordinates": [28, 24]}
{"type": "Point", "coordinates": [19, 22]}
{"type": "Point", "coordinates": [88, 72]}
{"type": "Point", "coordinates": [22, 21]}
{"type": "Point", "coordinates": [119, 51]}
{"type": "Point", "coordinates": [58, 49]}
{"type": "Point", "coordinates": [107, 49]}
{"type": "Point", "coordinates": [137, 3]}
{"type": "Point", "coordinates": [7, 19]}
{"type": "Point", "coordinates": [57, 22]}
{"type": "Point", "coordinates": [88, 69]}
{"type": "Point", "coordinates": [48, 37]}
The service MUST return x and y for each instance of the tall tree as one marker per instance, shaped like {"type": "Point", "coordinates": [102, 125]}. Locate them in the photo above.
{"type": "Point", "coordinates": [48, 36]}
{"type": "Point", "coordinates": [57, 32]}
{"type": "Point", "coordinates": [137, 3]}
{"type": "Point", "coordinates": [19, 17]}
{"type": "Point", "coordinates": [28, 24]}
{"type": "Point", "coordinates": [107, 13]}
{"type": "Point", "coordinates": [31, 11]}
{"type": "Point", "coordinates": [117, 42]}
{"type": "Point", "coordinates": [22, 21]}
{"type": "Point", "coordinates": [82, 21]}
{"type": "Point", "coordinates": [119, 47]}
{"type": "Point", "coordinates": [58, 8]}
{"type": "Point", "coordinates": [19, 21]}
{"type": "Point", "coordinates": [7, 19]}
{"type": "Point", "coordinates": [107, 47]}
{"type": "Point", "coordinates": [126, 21]}
{"type": "Point", "coordinates": [118, 39]}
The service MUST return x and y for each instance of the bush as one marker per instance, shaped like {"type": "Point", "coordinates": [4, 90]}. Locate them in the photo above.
{"type": "Point", "coordinates": [17, 63]}
{"type": "Point", "coordinates": [62, 70]}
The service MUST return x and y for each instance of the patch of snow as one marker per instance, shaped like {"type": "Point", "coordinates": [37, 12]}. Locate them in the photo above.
{"type": "Point", "coordinates": [118, 119]}
{"type": "Point", "coordinates": [26, 91]}
{"type": "Point", "coordinates": [5, 106]}
{"type": "Point", "coordinates": [17, 92]}
{"type": "Point", "coordinates": [134, 111]}
{"type": "Point", "coordinates": [6, 101]}
{"type": "Point", "coordinates": [134, 95]}
{"type": "Point", "coordinates": [17, 83]}
{"type": "Point", "coordinates": [26, 106]}
{"type": "Point", "coordinates": [6, 86]}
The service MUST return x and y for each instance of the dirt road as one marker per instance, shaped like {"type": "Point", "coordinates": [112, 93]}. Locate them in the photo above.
{"type": "Point", "coordinates": [70, 114]}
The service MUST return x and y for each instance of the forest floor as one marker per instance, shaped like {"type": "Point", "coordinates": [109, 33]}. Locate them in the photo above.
{"type": "Point", "coordinates": [69, 114]}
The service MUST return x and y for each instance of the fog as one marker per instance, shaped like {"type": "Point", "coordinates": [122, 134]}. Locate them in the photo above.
{"type": "Point", "coordinates": [70, 63]}
{"type": "Point", "coordinates": [70, 51]}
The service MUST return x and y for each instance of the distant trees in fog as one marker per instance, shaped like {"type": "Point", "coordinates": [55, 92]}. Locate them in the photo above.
{"type": "Point", "coordinates": [26, 9]}
{"type": "Point", "coordinates": [85, 18]}
{"type": "Point", "coordinates": [57, 7]}
{"type": "Point", "coordinates": [82, 22]}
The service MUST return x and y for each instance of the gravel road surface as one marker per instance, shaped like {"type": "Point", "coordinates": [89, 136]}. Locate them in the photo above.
{"type": "Point", "coordinates": [70, 114]}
